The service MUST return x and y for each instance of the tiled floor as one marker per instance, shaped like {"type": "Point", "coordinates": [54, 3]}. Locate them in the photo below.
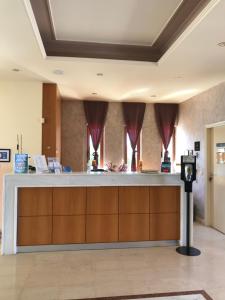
{"type": "Point", "coordinates": [80, 274]}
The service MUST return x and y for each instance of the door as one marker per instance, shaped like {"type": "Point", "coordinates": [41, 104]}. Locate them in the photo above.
{"type": "Point", "coordinates": [218, 178]}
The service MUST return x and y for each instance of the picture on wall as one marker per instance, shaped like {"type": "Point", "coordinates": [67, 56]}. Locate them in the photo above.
{"type": "Point", "coordinates": [5, 155]}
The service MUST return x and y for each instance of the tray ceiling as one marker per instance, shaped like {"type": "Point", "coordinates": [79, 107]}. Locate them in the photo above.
{"type": "Point", "coordinates": [192, 64]}
{"type": "Point", "coordinates": [123, 30]}
{"type": "Point", "coordinates": [131, 22]}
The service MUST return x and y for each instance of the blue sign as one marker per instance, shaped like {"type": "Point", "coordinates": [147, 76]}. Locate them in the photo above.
{"type": "Point", "coordinates": [21, 163]}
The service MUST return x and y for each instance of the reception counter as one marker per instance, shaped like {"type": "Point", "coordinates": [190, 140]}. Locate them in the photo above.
{"type": "Point", "coordinates": [92, 211]}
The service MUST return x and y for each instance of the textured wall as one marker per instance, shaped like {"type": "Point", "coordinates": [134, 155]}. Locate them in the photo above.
{"type": "Point", "coordinates": [195, 114]}
{"type": "Point", "coordinates": [114, 134]}
{"type": "Point", "coordinates": [151, 141]}
{"type": "Point", "coordinates": [74, 136]}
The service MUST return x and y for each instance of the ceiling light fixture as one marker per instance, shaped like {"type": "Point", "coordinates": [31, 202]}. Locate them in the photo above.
{"type": "Point", "coordinates": [221, 44]}
{"type": "Point", "coordinates": [94, 94]}
{"type": "Point", "coordinates": [153, 96]}
{"type": "Point", "coordinates": [99, 74]}
{"type": "Point", "coordinates": [16, 70]}
{"type": "Point", "coordinates": [58, 72]}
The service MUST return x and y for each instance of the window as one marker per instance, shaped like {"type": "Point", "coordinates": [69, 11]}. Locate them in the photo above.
{"type": "Point", "coordinates": [171, 148]}
{"type": "Point", "coordinates": [90, 149]}
{"type": "Point", "coordinates": [128, 151]}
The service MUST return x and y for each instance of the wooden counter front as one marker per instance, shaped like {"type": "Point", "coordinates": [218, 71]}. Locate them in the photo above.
{"type": "Point", "coordinates": [70, 215]}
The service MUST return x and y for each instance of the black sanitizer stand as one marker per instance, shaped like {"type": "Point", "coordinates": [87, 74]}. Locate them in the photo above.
{"type": "Point", "coordinates": [188, 175]}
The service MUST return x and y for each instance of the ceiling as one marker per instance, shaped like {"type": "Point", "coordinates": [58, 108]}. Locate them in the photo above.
{"type": "Point", "coordinates": [132, 22]}
{"type": "Point", "coordinates": [134, 30]}
{"type": "Point", "coordinates": [192, 64]}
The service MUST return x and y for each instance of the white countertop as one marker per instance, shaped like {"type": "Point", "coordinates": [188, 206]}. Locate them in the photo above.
{"type": "Point", "coordinates": [91, 179]}
{"type": "Point", "coordinates": [96, 173]}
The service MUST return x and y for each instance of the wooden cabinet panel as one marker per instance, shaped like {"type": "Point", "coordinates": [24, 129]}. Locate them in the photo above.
{"type": "Point", "coordinates": [102, 200]}
{"type": "Point", "coordinates": [51, 128]}
{"type": "Point", "coordinates": [102, 228]}
{"type": "Point", "coordinates": [164, 226]}
{"type": "Point", "coordinates": [34, 201]}
{"type": "Point", "coordinates": [133, 227]}
{"type": "Point", "coordinates": [97, 214]}
{"type": "Point", "coordinates": [164, 199]}
{"type": "Point", "coordinates": [69, 201]}
{"type": "Point", "coordinates": [133, 200]}
{"type": "Point", "coordinates": [68, 229]}
{"type": "Point", "coordinates": [34, 231]}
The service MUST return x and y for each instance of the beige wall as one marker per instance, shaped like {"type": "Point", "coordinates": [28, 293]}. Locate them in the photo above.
{"type": "Point", "coordinates": [195, 114]}
{"type": "Point", "coordinates": [20, 113]}
{"type": "Point", "coordinates": [74, 136]}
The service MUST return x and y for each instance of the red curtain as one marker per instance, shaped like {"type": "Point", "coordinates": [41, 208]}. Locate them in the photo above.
{"type": "Point", "coordinates": [166, 115]}
{"type": "Point", "coordinates": [95, 112]}
{"type": "Point", "coordinates": [133, 114]}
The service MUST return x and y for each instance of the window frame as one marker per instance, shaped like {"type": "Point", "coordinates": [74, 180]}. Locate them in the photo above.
{"type": "Point", "coordinates": [173, 152]}
{"type": "Point", "coordinates": [101, 162]}
{"type": "Point", "coordinates": [138, 147]}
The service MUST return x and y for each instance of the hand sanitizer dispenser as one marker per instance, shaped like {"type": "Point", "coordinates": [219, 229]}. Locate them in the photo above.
{"type": "Point", "coordinates": [188, 171]}
{"type": "Point", "coordinates": [188, 175]}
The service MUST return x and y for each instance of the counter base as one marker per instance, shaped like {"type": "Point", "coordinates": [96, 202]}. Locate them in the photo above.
{"type": "Point", "coordinates": [96, 246]}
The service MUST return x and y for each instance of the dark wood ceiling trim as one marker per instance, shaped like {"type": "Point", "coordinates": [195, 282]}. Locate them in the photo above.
{"type": "Point", "coordinates": [182, 18]}
{"type": "Point", "coordinates": [43, 18]}
{"type": "Point", "coordinates": [99, 50]}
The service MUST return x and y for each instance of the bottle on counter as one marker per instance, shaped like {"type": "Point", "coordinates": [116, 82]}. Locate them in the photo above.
{"type": "Point", "coordinates": [140, 165]}
{"type": "Point", "coordinates": [94, 164]}
{"type": "Point", "coordinates": [89, 166]}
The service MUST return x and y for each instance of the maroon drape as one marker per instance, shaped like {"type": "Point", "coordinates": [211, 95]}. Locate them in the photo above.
{"type": "Point", "coordinates": [95, 112]}
{"type": "Point", "coordinates": [133, 114]}
{"type": "Point", "coordinates": [166, 115]}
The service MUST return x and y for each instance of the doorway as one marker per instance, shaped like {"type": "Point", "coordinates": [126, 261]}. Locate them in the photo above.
{"type": "Point", "coordinates": [216, 176]}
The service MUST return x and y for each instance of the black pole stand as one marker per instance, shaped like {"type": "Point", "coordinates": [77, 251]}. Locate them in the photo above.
{"type": "Point", "coordinates": [187, 250]}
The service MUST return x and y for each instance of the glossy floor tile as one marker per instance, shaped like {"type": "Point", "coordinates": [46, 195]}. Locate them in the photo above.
{"type": "Point", "coordinates": [99, 273]}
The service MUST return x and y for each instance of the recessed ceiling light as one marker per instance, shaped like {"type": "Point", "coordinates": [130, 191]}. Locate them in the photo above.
{"type": "Point", "coordinates": [221, 44]}
{"type": "Point", "coordinates": [99, 74]}
{"type": "Point", "coordinates": [94, 94]}
{"type": "Point", "coordinates": [58, 72]}
{"type": "Point", "coordinates": [16, 70]}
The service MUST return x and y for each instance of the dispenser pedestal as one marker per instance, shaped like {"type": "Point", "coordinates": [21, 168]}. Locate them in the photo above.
{"type": "Point", "coordinates": [188, 250]}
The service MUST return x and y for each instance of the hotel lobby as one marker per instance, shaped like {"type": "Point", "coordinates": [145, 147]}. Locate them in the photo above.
{"type": "Point", "coordinates": [112, 154]}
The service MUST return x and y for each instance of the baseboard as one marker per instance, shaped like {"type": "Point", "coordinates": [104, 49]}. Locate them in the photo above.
{"type": "Point", "coordinates": [97, 246]}
{"type": "Point", "coordinates": [200, 220]}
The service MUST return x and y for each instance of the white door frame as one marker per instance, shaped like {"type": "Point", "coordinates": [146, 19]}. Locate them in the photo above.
{"type": "Point", "coordinates": [208, 200]}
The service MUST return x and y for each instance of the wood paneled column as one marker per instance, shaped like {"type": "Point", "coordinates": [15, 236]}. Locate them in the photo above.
{"type": "Point", "coordinates": [51, 127]}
